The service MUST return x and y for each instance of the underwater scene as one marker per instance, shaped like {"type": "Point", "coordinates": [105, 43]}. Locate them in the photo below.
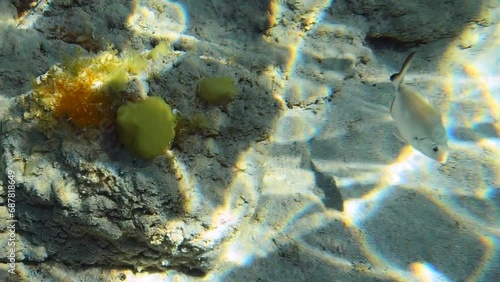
{"type": "Point", "coordinates": [238, 140]}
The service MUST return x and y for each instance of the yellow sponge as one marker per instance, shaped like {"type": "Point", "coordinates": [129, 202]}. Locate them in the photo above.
{"type": "Point", "coordinates": [217, 90]}
{"type": "Point", "coordinates": [146, 127]}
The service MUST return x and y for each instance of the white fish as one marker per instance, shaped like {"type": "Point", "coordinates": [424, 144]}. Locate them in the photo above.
{"type": "Point", "coordinates": [418, 122]}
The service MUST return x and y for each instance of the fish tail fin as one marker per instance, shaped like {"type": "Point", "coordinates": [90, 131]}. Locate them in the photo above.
{"type": "Point", "coordinates": [397, 78]}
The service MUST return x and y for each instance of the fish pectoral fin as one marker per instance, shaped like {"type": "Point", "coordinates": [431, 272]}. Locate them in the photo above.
{"type": "Point", "coordinates": [398, 135]}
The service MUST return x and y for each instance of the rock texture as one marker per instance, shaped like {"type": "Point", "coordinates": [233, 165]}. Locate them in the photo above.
{"type": "Point", "coordinates": [413, 21]}
{"type": "Point", "coordinates": [83, 199]}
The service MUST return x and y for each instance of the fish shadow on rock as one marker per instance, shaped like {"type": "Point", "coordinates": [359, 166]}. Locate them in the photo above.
{"type": "Point", "coordinates": [333, 198]}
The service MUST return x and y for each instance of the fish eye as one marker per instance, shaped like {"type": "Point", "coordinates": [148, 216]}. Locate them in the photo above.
{"type": "Point", "coordinates": [435, 149]}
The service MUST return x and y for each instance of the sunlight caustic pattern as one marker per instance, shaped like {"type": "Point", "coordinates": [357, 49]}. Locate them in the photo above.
{"type": "Point", "coordinates": [159, 19]}
{"type": "Point", "coordinates": [408, 171]}
{"type": "Point", "coordinates": [472, 85]}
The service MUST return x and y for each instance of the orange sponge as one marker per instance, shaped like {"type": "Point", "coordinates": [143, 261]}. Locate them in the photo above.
{"type": "Point", "coordinates": [81, 90]}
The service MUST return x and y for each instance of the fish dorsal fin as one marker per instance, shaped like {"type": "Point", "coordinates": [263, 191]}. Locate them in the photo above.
{"type": "Point", "coordinates": [397, 78]}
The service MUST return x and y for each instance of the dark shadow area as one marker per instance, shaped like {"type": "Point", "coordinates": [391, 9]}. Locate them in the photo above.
{"type": "Point", "coordinates": [410, 22]}
{"type": "Point", "coordinates": [424, 238]}
{"type": "Point", "coordinates": [391, 43]}
{"type": "Point", "coordinates": [476, 133]}
{"type": "Point", "coordinates": [406, 25]}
